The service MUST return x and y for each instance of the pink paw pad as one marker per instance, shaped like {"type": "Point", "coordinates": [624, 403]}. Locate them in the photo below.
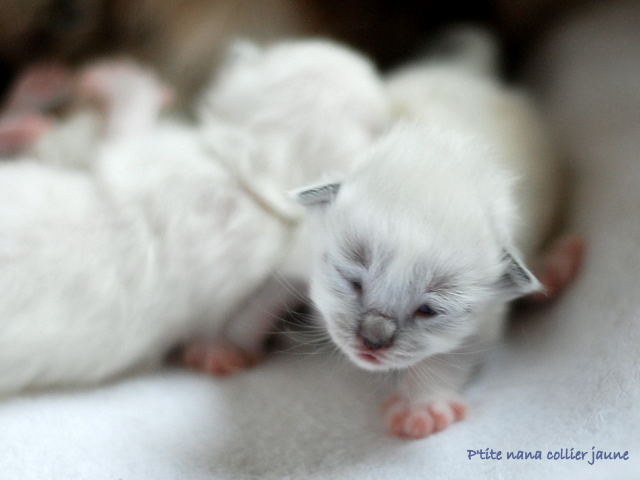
{"type": "Point", "coordinates": [216, 358]}
{"type": "Point", "coordinates": [417, 420]}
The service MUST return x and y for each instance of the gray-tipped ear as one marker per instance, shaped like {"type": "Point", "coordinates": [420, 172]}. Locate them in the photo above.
{"type": "Point", "coordinates": [317, 195]}
{"type": "Point", "coordinates": [517, 280]}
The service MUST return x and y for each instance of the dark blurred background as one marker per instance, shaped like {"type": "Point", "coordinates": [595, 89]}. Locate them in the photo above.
{"type": "Point", "coordinates": [184, 39]}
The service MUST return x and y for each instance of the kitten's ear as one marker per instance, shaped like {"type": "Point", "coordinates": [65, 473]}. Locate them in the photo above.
{"type": "Point", "coordinates": [317, 196]}
{"type": "Point", "coordinates": [517, 279]}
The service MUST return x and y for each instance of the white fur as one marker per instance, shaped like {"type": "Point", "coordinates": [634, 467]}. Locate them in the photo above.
{"type": "Point", "coordinates": [337, 107]}
{"type": "Point", "coordinates": [165, 236]}
{"type": "Point", "coordinates": [454, 99]}
{"type": "Point", "coordinates": [441, 212]}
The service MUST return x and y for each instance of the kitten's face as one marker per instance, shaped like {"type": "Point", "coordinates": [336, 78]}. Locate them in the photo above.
{"type": "Point", "coordinates": [388, 305]}
{"type": "Point", "coordinates": [393, 291]}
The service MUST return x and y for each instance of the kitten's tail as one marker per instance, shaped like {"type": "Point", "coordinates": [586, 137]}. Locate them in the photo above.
{"type": "Point", "coordinates": [471, 47]}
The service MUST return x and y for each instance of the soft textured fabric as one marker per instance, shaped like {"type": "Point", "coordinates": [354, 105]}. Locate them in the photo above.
{"type": "Point", "coordinates": [565, 376]}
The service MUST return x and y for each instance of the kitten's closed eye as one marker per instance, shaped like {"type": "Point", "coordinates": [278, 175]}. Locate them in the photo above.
{"type": "Point", "coordinates": [353, 280]}
{"type": "Point", "coordinates": [356, 285]}
{"type": "Point", "coordinates": [426, 311]}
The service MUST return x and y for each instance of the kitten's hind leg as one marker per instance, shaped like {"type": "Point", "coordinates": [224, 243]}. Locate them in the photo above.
{"type": "Point", "coordinates": [243, 341]}
{"type": "Point", "coordinates": [557, 268]}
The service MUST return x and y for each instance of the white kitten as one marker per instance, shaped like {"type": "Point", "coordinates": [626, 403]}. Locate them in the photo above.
{"type": "Point", "coordinates": [163, 237]}
{"type": "Point", "coordinates": [421, 248]}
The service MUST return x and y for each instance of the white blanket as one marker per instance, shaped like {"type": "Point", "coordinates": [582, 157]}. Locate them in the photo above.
{"type": "Point", "coordinates": [566, 377]}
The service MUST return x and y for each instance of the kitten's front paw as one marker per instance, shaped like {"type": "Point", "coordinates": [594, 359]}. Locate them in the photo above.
{"type": "Point", "coordinates": [410, 419]}
{"type": "Point", "coordinates": [217, 358]}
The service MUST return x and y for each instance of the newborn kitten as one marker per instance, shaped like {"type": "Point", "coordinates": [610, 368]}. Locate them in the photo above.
{"type": "Point", "coordinates": [163, 237]}
{"type": "Point", "coordinates": [420, 250]}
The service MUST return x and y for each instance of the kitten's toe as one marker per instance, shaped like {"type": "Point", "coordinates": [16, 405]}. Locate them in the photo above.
{"type": "Point", "coordinates": [217, 358]}
{"type": "Point", "coordinates": [408, 419]}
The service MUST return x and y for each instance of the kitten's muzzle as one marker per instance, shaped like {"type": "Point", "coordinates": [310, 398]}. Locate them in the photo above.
{"type": "Point", "coordinates": [377, 331]}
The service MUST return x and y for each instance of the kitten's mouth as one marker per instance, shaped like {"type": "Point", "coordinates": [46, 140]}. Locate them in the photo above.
{"type": "Point", "coordinates": [373, 360]}
{"type": "Point", "coordinates": [372, 356]}
{"type": "Point", "coordinates": [369, 357]}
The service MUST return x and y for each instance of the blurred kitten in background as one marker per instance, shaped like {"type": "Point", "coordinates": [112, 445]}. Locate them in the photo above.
{"type": "Point", "coordinates": [163, 236]}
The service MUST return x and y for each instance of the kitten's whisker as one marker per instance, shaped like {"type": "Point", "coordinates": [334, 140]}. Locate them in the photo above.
{"type": "Point", "coordinates": [290, 288]}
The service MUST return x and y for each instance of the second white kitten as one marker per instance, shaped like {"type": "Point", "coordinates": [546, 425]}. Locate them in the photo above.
{"type": "Point", "coordinates": [162, 238]}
